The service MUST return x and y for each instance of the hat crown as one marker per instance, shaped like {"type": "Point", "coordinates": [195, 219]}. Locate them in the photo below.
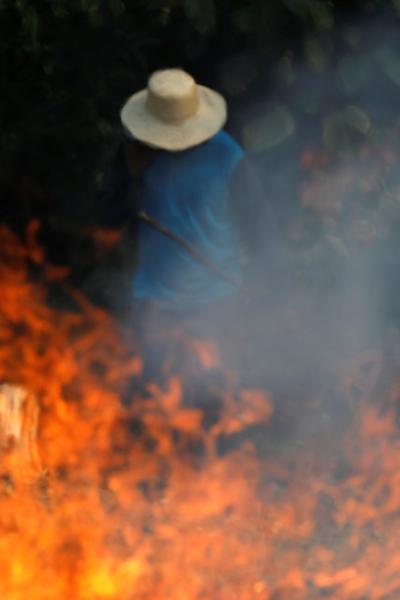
{"type": "Point", "coordinates": [172, 95]}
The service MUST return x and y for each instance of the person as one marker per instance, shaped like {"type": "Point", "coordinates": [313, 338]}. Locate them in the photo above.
{"type": "Point", "coordinates": [177, 165]}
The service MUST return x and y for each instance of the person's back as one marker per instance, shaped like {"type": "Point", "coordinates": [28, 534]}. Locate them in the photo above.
{"type": "Point", "coordinates": [188, 192]}
{"type": "Point", "coordinates": [187, 177]}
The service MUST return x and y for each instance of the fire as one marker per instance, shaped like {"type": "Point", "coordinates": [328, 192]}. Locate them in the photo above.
{"type": "Point", "coordinates": [126, 491]}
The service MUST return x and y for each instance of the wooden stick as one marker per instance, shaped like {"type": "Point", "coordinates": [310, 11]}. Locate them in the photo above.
{"type": "Point", "coordinates": [194, 253]}
{"type": "Point", "coordinates": [19, 418]}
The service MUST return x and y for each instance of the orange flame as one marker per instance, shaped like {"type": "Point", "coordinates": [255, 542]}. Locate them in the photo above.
{"type": "Point", "coordinates": [136, 500]}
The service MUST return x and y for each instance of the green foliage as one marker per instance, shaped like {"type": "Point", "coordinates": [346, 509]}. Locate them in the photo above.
{"type": "Point", "coordinates": [318, 51]}
{"type": "Point", "coordinates": [319, 12]}
{"type": "Point", "coordinates": [345, 129]}
{"type": "Point", "coordinates": [389, 60]}
{"type": "Point", "coordinates": [237, 73]}
{"type": "Point", "coordinates": [269, 130]}
{"type": "Point", "coordinates": [30, 21]}
{"type": "Point", "coordinates": [308, 87]}
{"type": "Point", "coordinates": [201, 13]}
{"type": "Point", "coordinates": [243, 19]}
{"type": "Point", "coordinates": [117, 7]}
{"type": "Point", "coordinates": [354, 71]}
{"type": "Point", "coordinates": [66, 66]}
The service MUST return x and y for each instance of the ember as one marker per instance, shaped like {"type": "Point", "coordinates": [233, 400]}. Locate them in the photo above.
{"type": "Point", "coordinates": [135, 499]}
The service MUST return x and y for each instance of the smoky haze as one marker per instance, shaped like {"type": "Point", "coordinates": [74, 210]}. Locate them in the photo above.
{"type": "Point", "coordinates": [320, 261]}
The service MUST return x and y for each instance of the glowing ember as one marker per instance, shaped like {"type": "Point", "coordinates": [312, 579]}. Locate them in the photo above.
{"type": "Point", "coordinates": [135, 500]}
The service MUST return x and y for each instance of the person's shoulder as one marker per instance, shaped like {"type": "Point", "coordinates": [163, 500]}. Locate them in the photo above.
{"type": "Point", "coordinates": [221, 151]}
{"type": "Point", "coordinates": [224, 140]}
{"type": "Point", "coordinates": [225, 151]}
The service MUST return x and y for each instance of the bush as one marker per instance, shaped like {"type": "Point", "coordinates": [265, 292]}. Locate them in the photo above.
{"type": "Point", "coordinates": [288, 67]}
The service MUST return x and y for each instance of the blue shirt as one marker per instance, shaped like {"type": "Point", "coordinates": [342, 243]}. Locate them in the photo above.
{"type": "Point", "coordinates": [188, 192]}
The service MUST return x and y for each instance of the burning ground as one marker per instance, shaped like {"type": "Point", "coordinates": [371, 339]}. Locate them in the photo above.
{"type": "Point", "coordinates": [190, 484]}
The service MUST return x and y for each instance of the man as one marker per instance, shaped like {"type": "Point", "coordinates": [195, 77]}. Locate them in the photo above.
{"type": "Point", "coordinates": [188, 177]}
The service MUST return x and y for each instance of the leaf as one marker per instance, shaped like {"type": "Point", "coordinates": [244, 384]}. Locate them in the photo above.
{"type": "Point", "coordinates": [193, 46]}
{"type": "Point", "coordinates": [285, 69]}
{"type": "Point", "coordinates": [243, 19]}
{"type": "Point", "coordinates": [21, 6]}
{"type": "Point", "coordinates": [308, 98]}
{"type": "Point", "coordinates": [335, 134]}
{"type": "Point", "coordinates": [31, 20]}
{"type": "Point", "coordinates": [389, 208]}
{"type": "Point", "coordinates": [48, 67]}
{"type": "Point", "coordinates": [317, 53]}
{"type": "Point", "coordinates": [390, 63]}
{"type": "Point", "coordinates": [322, 14]}
{"type": "Point", "coordinates": [59, 11]}
{"type": "Point", "coordinates": [117, 7]}
{"type": "Point", "coordinates": [320, 11]}
{"type": "Point", "coordinates": [352, 35]}
{"type": "Point", "coordinates": [96, 17]}
{"type": "Point", "coordinates": [269, 130]}
{"type": "Point", "coordinates": [337, 245]}
{"type": "Point", "coordinates": [297, 7]}
{"type": "Point", "coordinates": [370, 7]}
{"type": "Point", "coordinates": [354, 71]}
{"type": "Point", "coordinates": [85, 5]}
{"type": "Point", "coordinates": [344, 130]}
{"type": "Point", "coordinates": [357, 119]}
{"type": "Point", "coordinates": [202, 14]}
{"type": "Point", "coordinates": [237, 74]}
{"type": "Point", "coordinates": [104, 128]}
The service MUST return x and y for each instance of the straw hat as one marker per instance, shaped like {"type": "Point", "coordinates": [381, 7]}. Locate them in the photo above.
{"type": "Point", "coordinates": [173, 113]}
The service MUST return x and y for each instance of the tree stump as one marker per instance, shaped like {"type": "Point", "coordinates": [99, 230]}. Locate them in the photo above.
{"type": "Point", "coordinates": [19, 417]}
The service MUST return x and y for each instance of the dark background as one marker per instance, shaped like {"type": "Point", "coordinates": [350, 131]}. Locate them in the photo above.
{"type": "Point", "coordinates": [313, 89]}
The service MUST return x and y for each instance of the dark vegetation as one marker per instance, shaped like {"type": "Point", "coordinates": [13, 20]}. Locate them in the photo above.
{"type": "Point", "coordinates": [313, 87]}
{"type": "Point", "coordinates": [314, 93]}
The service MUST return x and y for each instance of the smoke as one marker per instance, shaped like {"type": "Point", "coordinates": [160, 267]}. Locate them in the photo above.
{"type": "Point", "coordinates": [337, 220]}
{"type": "Point", "coordinates": [319, 292]}
{"type": "Point", "coordinates": [319, 235]}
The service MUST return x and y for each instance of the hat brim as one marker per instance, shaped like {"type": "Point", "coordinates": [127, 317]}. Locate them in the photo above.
{"type": "Point", "coordinates": [210, 118]}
